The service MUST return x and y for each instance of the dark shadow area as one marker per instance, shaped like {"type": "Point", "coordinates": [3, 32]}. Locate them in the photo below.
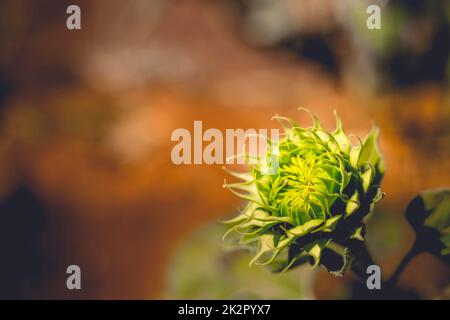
{"type": "Point", "coordinates": [407, 69]}
{"type": "Point", "coordinates": [316, 48]}
{"type": "Point", "coordinates": [406, 66]}
{"type": "Point", "coordinates": [5, 92]}
{"type": "Point", "coordinates": [21, 223]}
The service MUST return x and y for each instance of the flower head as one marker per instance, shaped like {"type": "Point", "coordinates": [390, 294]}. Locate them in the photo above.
{"type": "Point", "coordinates": [313, 206]}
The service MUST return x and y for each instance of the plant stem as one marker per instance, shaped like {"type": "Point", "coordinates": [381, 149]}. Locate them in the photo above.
{"type": "Point", "coordinates": [415, 250]}
{"type": "Point", "coordinates": [363, 259]}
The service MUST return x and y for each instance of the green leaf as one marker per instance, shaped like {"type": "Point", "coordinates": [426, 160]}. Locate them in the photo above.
{"type": "Point", "coordinates": [367, 177]}
{"type": "Point", "coordinates": [429, 215]}
{"type": "Point", "coordinates": [340, 136]}
{"type": "Point", "coordinates": [266, 244]}
{"type": "Point", "coordinates": [236, 220]}
{"type": "Point", "coordinates": [370, 152]}
{"type": "Point", "coordinates": [329, 224]}
{"type": "Point", "coordinates": [314, 250]}
{"type": "Point", "coordinates": [358, 233]}
{"type": "Point", "coordinates": [377, 197]}
{"type": "Point", "coordinates": [304, 228]}
{"type": "Point", "coordinates": [352, 204]}
{"type": "Point", "coordinates": [297, 232]}
{"type": "Point", "coordinates": [335, 258]}
{"type": "Point", "coordinates": [355, 151]}
{"type": "Point", "coordinates": [295, 257]}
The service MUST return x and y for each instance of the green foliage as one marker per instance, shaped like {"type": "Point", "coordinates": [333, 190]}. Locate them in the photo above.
{"type": "Point", "coordinates": [429, 215]}
{"type": "Point", "coordinates": [314, 205]}
{"type": "Point", "coordinates": [204, 267]}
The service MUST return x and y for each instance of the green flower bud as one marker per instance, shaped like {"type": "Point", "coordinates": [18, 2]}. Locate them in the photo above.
{"type": "Point", "coordinates": [313, 207]}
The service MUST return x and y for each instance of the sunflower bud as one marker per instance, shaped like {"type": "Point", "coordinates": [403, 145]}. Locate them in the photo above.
{"type": "Point", "coordinates": [313, 206]}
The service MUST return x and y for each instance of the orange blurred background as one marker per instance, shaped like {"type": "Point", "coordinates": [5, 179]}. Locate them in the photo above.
{"type": "Point", "coordinates": [86, 120]}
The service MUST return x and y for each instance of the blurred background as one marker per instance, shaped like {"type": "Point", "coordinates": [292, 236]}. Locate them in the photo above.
{"type": "Point", "coordinates": [86, 117]}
